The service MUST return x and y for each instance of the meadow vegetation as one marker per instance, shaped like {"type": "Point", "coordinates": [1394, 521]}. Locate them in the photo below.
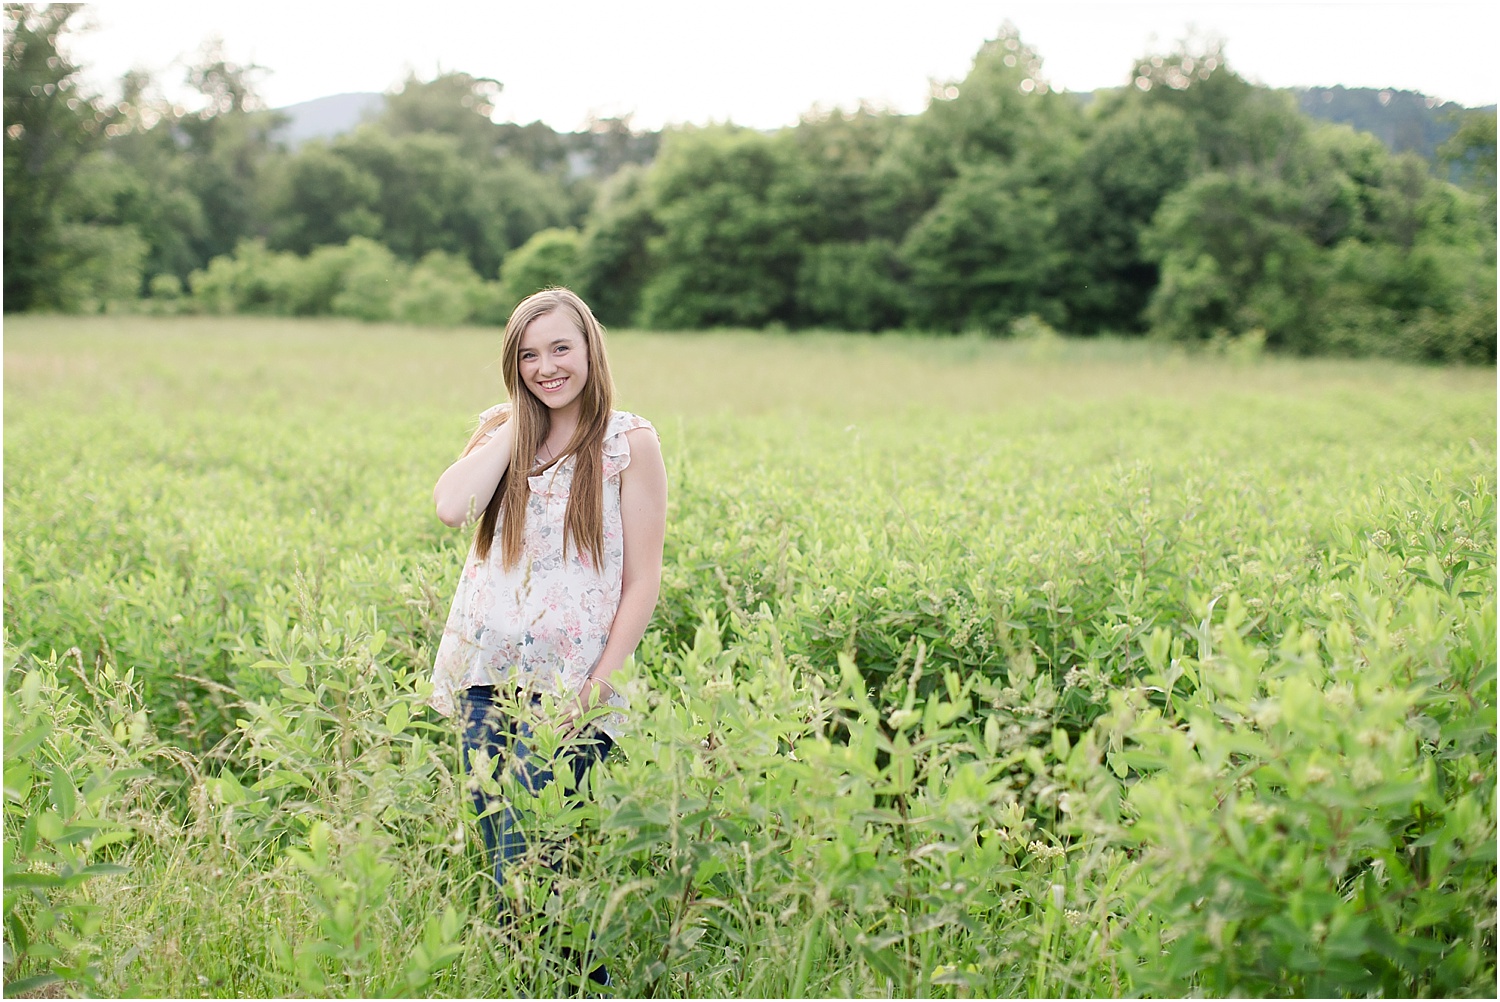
{"type": "Point", "coordinates": [1033, 667]}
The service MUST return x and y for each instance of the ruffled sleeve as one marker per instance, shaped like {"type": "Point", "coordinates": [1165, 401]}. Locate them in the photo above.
{"type": "Point", "coordinates": [616, 445]}
{"type": "Point", "coordinates": [490, 412]}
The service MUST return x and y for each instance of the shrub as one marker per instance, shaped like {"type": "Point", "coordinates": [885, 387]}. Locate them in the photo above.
{"type": "Point", "coordinates": [252, 280]}
{"type": "Point", "coordinates": [549, 258]}
{"type": "Point", "coordinates": [442, 291]}
{"type": "Point", "coordinates": [372, 279]}
{"type": "Point", "coordinates": [1189, 690]}
{"type": "Point", "coordinates": [94, 267]}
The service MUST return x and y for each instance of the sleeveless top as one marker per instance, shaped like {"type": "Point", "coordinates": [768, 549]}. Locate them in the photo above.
{"type": "Point", "coordinates": [542, 624]}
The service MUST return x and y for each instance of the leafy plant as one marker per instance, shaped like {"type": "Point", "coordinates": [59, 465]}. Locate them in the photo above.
{"type": "Point", "coordinates": [1085, 671]}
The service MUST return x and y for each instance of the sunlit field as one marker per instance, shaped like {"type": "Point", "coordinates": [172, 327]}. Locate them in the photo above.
{"type": "Point", "coordinates": [981, 668]}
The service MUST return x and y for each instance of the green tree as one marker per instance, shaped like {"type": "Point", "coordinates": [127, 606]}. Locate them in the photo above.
{"type": "Point", "coordinates": [614, 260]}
{"type": "Point", "coordinates": [852, 286]}
{"type": "Point", "coordinates": [838, 189]}
{"type": "Point", "coordinates": [512, 201]}
{"type": "Point", "coordinates": [325, 199]}
{"type": "Point", "coordinates": [1235, 258]}
{"type": "Point", "coordinates": [729, 248]}
{"type": "Point", "coordinates": [1471, 149]}
{"type": "Point", "coordinates": [1414, 269]}
{"type": "Point", "coordinates": [1135, 156]}
{"type": "Point", "coordinates": [417, 192]}
{"type": "Point", "coordinates": [146, 166]}
{"type": "Point", "coordinates": [986, 255]}
{"type": "Point", "coordinates": [850, 276]}
{"type": "Point", "coordinates": [608, 145]}
{"type": "Point", "coordinates": [453, 104]}
{"type": "Point", "coordinates": [1003, 111]}
{"type": "Point", "coordinates": [426, 191]}
{"type": "Point", "coordinates": [1433, 302]}
{"type": "Point", "coordinates": [1335, 246]}
{"type": "Point", "coordinates": [51, 126]}
{"type": "Point", "coordinates": [972, 182]}
{"type": "Point", "coordinates": [225, 149]}
{"type": "Point", "coordinates": [1236, 123]}
{"type": "Point", "coordinates": [512, 176]}
{"type": "Point", "coordinates": [167, 217]}
{"type": "Point", "coordinates": [537, 144]}
{"type": "Point", "coordinates": [192, 184]}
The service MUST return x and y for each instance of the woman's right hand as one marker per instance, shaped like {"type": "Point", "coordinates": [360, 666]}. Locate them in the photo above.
{"type": "Point", "coordinates": [466, 487]}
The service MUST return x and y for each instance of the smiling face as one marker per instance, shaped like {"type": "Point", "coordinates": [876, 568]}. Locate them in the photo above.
{"type": "Point", "coordinates": [554, 361]}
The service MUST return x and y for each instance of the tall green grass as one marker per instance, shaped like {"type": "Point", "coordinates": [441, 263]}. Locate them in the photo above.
{"type": "Point", "coordinates": [980, 669]}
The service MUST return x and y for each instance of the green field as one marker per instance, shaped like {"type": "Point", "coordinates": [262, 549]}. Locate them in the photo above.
{"type": "Point", "coordinates": [980, 669]}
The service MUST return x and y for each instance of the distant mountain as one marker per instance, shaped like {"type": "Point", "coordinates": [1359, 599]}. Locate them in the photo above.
{"type": "Point", "coordinates": [326, 117]}
{"type": "Point", "coordinates": [1402, 119]}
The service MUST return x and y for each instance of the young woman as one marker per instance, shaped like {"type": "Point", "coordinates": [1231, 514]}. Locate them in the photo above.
{"type": "Point", "coordinates": [570, 500]}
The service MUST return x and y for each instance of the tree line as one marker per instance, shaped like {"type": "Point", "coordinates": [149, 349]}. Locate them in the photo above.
{"type": "Point", "coordinates": [1192, 206]}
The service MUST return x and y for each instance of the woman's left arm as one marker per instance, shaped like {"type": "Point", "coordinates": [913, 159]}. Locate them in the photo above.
{"type": "Point", "coordinates": [643, 519]}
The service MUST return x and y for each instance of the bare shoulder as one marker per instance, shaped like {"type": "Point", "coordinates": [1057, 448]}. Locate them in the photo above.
{"type": "Point", "coordinates": [647, 470]}
{"type": "Point", "coordinates": [643, 442]}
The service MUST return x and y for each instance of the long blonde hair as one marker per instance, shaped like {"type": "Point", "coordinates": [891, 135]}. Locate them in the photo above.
{"type": "Point", "coordinates": [583, 523]}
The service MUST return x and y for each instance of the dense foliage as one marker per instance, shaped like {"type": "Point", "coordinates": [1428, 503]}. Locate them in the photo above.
{"type": "Point", "coordinates": [1191, 204]}
{"type": "Point", "coordinates": [1038, 668]}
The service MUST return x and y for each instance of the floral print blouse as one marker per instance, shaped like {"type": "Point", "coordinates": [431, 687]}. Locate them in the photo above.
{"type": "Point", "coordinates": [542, 624]}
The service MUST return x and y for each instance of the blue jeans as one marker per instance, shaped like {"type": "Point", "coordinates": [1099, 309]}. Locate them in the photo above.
{"type": "Point", "coordinates": [490, 726]}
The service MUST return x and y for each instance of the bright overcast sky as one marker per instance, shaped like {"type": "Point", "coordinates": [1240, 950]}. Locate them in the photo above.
{"type": "Point", "coordinates": [765, 62]}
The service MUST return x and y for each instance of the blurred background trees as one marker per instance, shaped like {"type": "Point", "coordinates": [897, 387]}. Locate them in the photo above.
{"type": "Point", "coordinates": [59, 246]}
{"type": "Point", "coordinates": [1189, 205]}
